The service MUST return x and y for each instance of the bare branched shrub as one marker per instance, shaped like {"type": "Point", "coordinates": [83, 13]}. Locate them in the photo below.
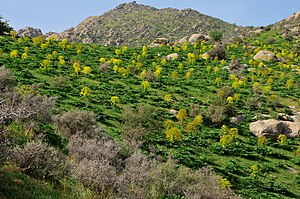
{"type": "Point", "coordinates": [25, 107]}
{"type": "Point", "coordinates": [7, 80]}
{"type": "Point", "coordinates": [98, 175]}
{"type": "Point", "coordinates": [150, 76]}
{"type": "Point", "coordinates": [218, 51]}
{"type": "Point", "coordinates": [132, 181]}
{"type": "Point", "coordinates": [104, 67]}
{"type": "Point", "coordinates": [59, 81]}
{"type": "Point", "coordinates": [253, 102]}
{"type": "Point", "coordinates": [93, 149]}
{"type": "Point", "coordinates": [77, 122]}
{"type": "Point", "coordinates": [40, 160]}
{"type": "Point", "coordinates": [205, 186]}
{"type": "Point", "coordinates": [95, 162]}
{"type": "Point", "coordinates": [194, 110]}
{"type": "Point", "coordinates": [143, 179]}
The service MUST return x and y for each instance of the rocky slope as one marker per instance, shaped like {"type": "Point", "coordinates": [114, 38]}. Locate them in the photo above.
{"type": "Point", "coordinates": [134, 24]}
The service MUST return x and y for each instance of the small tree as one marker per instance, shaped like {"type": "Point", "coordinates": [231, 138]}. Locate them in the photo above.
{"type": "Point", "coordinates": [4, 27]}
{"type": "Point", "coordinates": [216, 36]}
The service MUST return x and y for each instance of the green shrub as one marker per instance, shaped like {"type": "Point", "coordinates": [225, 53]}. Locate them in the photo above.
{"type": "Point", "coordinates": [7, 80]}
{"type": "Point", "coordinates": [216, 35]}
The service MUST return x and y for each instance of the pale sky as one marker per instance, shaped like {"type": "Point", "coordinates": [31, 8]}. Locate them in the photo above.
{"type": "Point", "coordinates": [58, 15]}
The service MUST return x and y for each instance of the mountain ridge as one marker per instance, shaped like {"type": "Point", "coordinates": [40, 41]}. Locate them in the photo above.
{"type": "Point", "coordinates": [136, 24]}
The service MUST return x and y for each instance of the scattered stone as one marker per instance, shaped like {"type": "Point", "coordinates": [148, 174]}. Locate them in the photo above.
{"type": "Point", "coordinates": [174, 56]}
{"type": "Point", "coordinates": [183, 40]}
{"type": "Point", "coordinates": [272, 128]}
{"type": "Point", "coordinates": [264, 55]}
{"type": "Point", "coordinates": [237, 119]}
{"type": "Point", "coordinates": [262, 116]}
{"type": "Point", "coordinates": [29, 32]}
{"type": "Point", "coordinates": [159, 42]}
{"type": "Point", "coordinates": [173, 111]}
{"type": "Point", "coordinates": [162, 41]}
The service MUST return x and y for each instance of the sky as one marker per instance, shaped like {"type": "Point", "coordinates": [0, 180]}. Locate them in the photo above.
{"type": "Point", "coordinates": [58, 15]}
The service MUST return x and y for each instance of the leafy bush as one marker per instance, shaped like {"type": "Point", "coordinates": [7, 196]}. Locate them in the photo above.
{"type": "Point", "coordinates": [40, 160]}
{"type": "Point", "coordinates": [216, 36]}
{"type": "Point", "coordinates": [77, 122]}
{"type": "Point", "coordinates": [138, 123]}
{"type": "Point", "coordinates": [217, 114]}
{"type": "Point", "coordinates": [218, 51]}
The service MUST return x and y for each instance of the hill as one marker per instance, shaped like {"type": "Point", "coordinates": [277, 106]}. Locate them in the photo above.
{"type": "Point", "coordinates": [166, 122]}
{"type": "Point", "coordinates": [135, 25]}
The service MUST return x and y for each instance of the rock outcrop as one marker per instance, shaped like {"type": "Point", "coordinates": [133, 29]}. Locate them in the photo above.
{"type": "Point", "coordinates": [29, 32]}
{"type": "Point", "coordinates": [273, 128]}
{"type": "Point", "coordinates": [138, 25]}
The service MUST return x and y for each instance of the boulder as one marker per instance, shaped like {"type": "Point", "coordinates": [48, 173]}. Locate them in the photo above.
{"type": "Point", "coordinates": [296, 30]}
{"type": "Point", "coordinates": [264, 55]}
{"type": "Point", "coordinates": [297, 15]}
{"type": "Point", "coordinates": [173, 56]}
{"type": "Point", "coordinates": [196, 38]}
{"type": "Point", "coordinates": [29, 32]}
{"type": "Point", "coordinates": [271, 128]}
{"type": "Point", "coordinates": [161, 41]}
{"type": "Point", "coordinates": [183, 40]}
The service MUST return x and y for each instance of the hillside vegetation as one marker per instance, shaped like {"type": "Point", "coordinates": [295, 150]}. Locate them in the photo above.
{"type": "Point", "coordinates": [136, 25]}
{"type": "Point", "coordinates": [87, 121]}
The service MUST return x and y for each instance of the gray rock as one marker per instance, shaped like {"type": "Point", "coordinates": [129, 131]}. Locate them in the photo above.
{"type": "Point", "coordinates": [196, 38]}
{"type": "Point", "coordinates": [172, 111]}
{"type": "Point", "coordinates": [29, 32]}
{"type": "Point", "coordinates": [174, 56]}
{"type": "Point", "coordinates": [264, 55]}
{"type": "Point", "coordinates": [237, 119]}
{"type": "Point", "coordinates": [163, 41]}
{"type": "Point", "coordinates": [272, 128]}
{"type": "Point", "coordinates": [183, 40]}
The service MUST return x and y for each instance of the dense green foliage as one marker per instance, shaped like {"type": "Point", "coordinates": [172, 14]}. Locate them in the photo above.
{"type": "Point", "coordinates": [108, 80]}
{"type": "Point", "coordinates": [4, 27]}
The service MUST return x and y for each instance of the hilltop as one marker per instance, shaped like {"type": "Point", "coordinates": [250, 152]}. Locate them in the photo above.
{"type": "Point", "coordinates": [136, 25]}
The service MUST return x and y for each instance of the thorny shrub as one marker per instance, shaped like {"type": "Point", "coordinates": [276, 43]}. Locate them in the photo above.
{"type": "Point", "coordinates": [77, 122]}
{"type": "Point", "coordinates": [40, 160]}
{"type": "Point", "coordinates": [25, 107]}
